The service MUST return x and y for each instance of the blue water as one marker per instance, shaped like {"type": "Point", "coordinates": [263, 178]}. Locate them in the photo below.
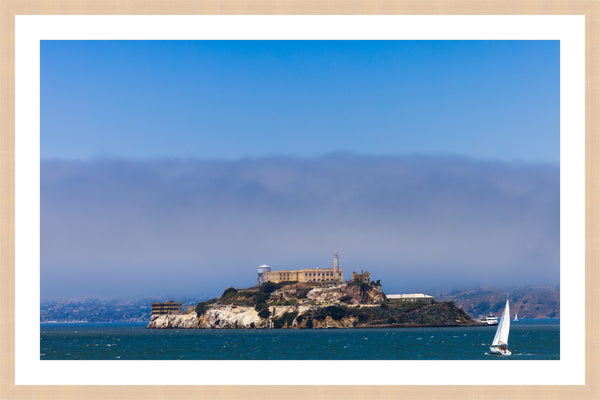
{"type": "Point", "coordinates": [529, 340]}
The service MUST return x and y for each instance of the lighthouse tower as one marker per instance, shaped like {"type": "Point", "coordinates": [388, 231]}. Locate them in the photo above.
{"type": "Point", "coordinates": [336, 266]}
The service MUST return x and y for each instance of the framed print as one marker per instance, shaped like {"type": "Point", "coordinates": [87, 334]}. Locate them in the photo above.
{"type": "Point", "coordinates": [303, 200]}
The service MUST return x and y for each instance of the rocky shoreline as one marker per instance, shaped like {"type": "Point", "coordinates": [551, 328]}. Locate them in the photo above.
{"type": "Point", "coordinates": [292, 305]}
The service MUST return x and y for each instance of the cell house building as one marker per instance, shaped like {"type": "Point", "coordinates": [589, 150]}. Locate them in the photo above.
{"type": "Point", "coordinates": [335, 274]}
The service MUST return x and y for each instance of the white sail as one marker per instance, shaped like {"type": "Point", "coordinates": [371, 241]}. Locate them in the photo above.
{"type": "Point", "coordinates": [503, 328]}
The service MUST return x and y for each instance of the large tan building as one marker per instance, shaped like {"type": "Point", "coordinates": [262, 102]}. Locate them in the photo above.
{"type": "Point", "coordinates": [334, 274]}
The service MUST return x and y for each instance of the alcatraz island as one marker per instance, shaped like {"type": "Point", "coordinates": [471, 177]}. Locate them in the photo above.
{"type": "Point", "coordinates": [309, 298]}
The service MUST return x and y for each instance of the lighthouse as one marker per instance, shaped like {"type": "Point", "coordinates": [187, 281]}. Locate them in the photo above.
{"type": "Point", "coordinates": [336, 266]}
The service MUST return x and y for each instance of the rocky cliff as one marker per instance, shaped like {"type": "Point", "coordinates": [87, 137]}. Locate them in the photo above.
{"type": "Point", "coordinates": [299, 306]}
{"type": "Point", "coordinates": [185, 321]}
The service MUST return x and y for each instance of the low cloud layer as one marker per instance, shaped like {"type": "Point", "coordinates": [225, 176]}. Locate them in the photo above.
{"type": "Point", "coordinates": [170, 227]}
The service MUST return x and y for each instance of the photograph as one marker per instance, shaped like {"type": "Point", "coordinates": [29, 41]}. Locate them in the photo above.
{"type": "Point", "coordinates": [300, 200]}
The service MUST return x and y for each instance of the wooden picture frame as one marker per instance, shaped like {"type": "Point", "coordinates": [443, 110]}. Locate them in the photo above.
{"type": "Point", "coordinates": [11, 8]}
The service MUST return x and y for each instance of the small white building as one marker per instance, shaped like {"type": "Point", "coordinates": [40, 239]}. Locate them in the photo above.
{"type": "Point", "coordinates": [410, 297]}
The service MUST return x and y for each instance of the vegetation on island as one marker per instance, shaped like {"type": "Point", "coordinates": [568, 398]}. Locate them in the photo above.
{"type": "Point", "coordinates": [322, 304]}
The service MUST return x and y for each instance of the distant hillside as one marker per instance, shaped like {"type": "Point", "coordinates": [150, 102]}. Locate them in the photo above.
{"type": "Point", "coordinates": [530, 302]}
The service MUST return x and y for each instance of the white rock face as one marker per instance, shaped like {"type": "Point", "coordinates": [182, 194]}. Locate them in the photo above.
{"type": "Point", "coordinates": [219, 317]}
{"type": "Point", "coordinates": [278, 311]}
{"type": "Point", "coordinates": [357, 295]}
{"type": "Point", "coordinates": [327, 295]}
{"type": "Point", "coordinates": [228, 316]}
{"type": "Point", "coordinates": [173, 321]}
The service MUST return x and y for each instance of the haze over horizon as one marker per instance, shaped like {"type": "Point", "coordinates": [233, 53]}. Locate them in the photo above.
{"type": "Point", "coordinates": [179, 167]}
{"type": "Point", "coordinates": [145, 226]}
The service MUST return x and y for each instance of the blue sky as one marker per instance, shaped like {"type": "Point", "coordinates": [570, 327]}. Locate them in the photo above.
{"type": "Point", "coordinates": [176, 168]}
{"type": "Point", "coordinates": [235, 99]}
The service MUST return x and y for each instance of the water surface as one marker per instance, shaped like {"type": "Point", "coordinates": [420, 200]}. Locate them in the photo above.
{"type": "Point", "coordinates": [529, 340]}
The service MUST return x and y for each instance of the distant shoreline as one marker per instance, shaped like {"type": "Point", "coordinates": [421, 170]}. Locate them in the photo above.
{"type": "Point", "coordinates": [396, 326]}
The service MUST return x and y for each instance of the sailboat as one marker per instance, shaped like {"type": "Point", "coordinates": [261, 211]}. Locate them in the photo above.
{"type": "Point", "coordinates": [516, 318]}
{"type": "Point", "coordinates": [500, 343]}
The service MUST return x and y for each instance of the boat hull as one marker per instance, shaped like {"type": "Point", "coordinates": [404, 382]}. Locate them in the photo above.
{"type": "Point", "coordinates": [488, 321]}
{"type": "Point", "coordinates": [499, 352]}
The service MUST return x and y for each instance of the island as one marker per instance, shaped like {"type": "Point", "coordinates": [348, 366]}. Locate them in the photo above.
{"type": "Point", "coordinates": [357, 303]}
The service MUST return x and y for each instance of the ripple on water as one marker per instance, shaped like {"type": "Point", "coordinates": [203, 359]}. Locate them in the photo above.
{"type": "Point", "coordinates": [137, 343]}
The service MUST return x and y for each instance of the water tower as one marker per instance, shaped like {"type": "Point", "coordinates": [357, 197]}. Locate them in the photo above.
{"type": "Point", "coordinates": [261, 270]}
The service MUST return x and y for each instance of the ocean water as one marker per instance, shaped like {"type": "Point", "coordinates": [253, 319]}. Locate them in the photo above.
{"type": "Point", "coordinates": [529, 340]}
